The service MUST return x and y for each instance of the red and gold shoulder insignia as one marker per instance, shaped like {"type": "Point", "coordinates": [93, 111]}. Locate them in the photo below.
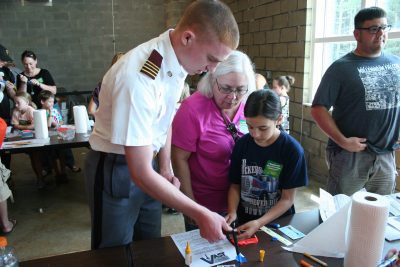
{"type": "Point", "coordinates": [152, 65]}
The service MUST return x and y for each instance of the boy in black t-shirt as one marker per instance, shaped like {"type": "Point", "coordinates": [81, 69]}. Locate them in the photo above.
{"type": "Point", "coordinates": [267, 166]}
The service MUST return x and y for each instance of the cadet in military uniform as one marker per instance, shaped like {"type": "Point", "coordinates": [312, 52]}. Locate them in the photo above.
{"type": "Point", "coordinates": [138, 98]}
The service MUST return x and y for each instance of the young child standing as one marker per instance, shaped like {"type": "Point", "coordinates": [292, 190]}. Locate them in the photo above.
{"type": "Point", "coordinates": [281, 85]}
{"type": "Point", "coordinates": [54, 119]}
{"type": "Point", "coordinates": [267, 165]}
{"type": "Point", "coordinates": [22, 116]}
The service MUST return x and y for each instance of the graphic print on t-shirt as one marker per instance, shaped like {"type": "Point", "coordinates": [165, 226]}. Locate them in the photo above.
{"type": "Point", "coordinates": [259, 187]}
{"type": "Point", "coordinates": [381, 85]}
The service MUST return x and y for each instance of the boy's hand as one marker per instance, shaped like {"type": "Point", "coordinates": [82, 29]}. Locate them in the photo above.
{"type": "Point", "coordinates": [248, 229]}
{"type": "Point", "coordinates": [230, 217]}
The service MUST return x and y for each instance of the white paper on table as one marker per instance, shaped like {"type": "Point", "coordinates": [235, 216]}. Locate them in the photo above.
{"type": "Point", "coordinates": [329, 204]}
{"type": "Point", "coordinates": [394, 208]}
{"type": "Point", "coordinates": [328, 239]}
{"type": "Point", "coordinates": [26, 143]}
{"type": "Point", "coordinates": [203, 252]}
{"type": "Point", "coordinates": [391, 233]}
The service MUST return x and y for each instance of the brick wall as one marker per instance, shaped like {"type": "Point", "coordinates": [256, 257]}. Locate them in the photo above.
{"type": "Point", "coordinates": [273, 33]}
{"type": "Point", "coordinates": [73, 39]}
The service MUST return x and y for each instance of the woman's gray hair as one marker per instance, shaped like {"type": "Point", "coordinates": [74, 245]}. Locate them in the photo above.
{"type": "Point", "coordinates": [237, 62]}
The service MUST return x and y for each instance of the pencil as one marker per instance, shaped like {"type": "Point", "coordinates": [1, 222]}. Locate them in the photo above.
{"type": "Point", "coordinates": [315, 259]}
{"type": "Point", "coordinates": [235, 241]}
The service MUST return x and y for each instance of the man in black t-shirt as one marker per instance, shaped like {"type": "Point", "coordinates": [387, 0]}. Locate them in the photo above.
{"type": "Point", "coordinates": [7, 82]}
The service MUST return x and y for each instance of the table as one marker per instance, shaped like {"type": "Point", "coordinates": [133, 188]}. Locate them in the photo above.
{"type": "Point", "coordinates": [116, 257]}
{"type": "Point", "coordinates": [80, 140]}
{"type": "Point", "coordinates": [163, 252]}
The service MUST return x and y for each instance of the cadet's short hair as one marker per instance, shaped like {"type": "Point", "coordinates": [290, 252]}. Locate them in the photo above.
{"type": "Point", "coordinates": [368, 14]}
{"type": "Point", "coordinates": [211, 18]}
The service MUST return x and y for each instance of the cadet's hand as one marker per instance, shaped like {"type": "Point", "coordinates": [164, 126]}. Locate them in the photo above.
{"type": "Point", "coordinates": [354, 144]}
{"type": "Point", "coordinates": [211, 225]}
{"type": "Point", "coordinates": [248, 229]}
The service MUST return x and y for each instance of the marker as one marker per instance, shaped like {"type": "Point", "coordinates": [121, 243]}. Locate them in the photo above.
{"type": "Point", "coordinates": [305, 264]}
{"type": "Point", "coordinates": [274, 225]}
{"type": "Point", "coordinates": [235, 240]}
{"type": "Point", "coordinates": [389, 261]}
{"type": "Point", "coordinates": [188, 254]}
{"type": "Point", "coordinates": [262, 254]}
{"type": "Point", "coordinates": [315, 259]}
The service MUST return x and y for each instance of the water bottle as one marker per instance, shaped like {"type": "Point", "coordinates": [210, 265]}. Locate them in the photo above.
{"type": "Point", "coordinates": [7, 254]}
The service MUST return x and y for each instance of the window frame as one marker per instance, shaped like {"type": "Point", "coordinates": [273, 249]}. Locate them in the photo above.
{"type": "Point", "coordinates": [311, 83]}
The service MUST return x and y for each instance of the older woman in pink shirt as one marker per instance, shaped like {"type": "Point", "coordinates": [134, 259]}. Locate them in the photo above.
{"type": "Point", "coordinates": [204, 132]}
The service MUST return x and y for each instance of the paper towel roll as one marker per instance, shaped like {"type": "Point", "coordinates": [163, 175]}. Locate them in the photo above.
{"type": "Point", "coordinates": [40, 123]}
{"type": "Point", "coordinates": [81, 119]}
{"type": "Point", "coordinates": [366, 230]}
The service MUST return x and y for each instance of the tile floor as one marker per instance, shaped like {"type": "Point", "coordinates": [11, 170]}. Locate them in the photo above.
{"type": "Point", "coordinates": [56, 220]}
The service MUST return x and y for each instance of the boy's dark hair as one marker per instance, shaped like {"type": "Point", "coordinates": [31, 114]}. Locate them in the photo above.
{"type": "Point", "coordinates": [45, 94]}
{"type": "Point", "coordinates": [264, 102]}
{"type": "Point", "coordinates": [368, 14]}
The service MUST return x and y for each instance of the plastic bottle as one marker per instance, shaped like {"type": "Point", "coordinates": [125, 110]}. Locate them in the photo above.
{"type": "Point", "coordinates": [7, 254]}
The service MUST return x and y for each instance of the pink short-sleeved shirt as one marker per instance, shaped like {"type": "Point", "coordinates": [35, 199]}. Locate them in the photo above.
{"type": "Point", "coordinates": [198, 127]}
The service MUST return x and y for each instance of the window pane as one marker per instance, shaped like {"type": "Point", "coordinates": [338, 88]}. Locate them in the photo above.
{"type": "Point", "coordinates": [392, 8]}
{"type": "Point", "coordinates": [324, 55]}
{"type": "Point", "coordinates": [393, 46]}
{"type": "Point", "coordinates": [337, 17]}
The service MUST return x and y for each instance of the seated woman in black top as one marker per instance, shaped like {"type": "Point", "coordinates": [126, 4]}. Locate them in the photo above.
{"type": "Point", "coordinates": [33, 79]}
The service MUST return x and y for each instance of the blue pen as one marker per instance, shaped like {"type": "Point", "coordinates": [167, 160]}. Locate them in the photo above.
{"type": "Point", "coordinates": [389, 261]}
{"type": "Point", "coordinates": [273, 225]}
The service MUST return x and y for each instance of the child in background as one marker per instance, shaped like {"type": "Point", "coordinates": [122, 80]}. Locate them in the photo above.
{"type": "Point", "coordinates": [267, 165]}
{"type": "Point", "coordinates": [22, 116]}
{"type": "Point", "coordinates": [22, 119]}
{"type": "Point", "coordinates": [281, 85]}
{"type": "Point", "coordinates": [54, 119]}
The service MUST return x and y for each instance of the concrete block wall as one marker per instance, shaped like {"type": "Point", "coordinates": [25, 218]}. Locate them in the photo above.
{"type": "Point", "coordinates": [274, 34]}
{"type": "Point", "coordinates": [73, 39]}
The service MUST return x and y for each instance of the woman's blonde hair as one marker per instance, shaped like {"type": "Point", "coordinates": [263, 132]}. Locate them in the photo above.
{"type": "Point", "coordinates": [27, 98]}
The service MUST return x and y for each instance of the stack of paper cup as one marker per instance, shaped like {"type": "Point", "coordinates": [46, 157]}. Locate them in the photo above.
{"type": "Point", "coordinates": [81, 119]}
{"type": "Point", "coordinates": [40, 123]}
{"type": "Point", "coordinates": [366, 230]}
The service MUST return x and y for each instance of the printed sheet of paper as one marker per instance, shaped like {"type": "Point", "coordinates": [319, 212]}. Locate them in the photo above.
{"type": "Point", "coordinates": [204, 253]}
{"type": "Point", "coordinates": [329, 204]}
{"type": "Point", "coordinates": [26, 143]}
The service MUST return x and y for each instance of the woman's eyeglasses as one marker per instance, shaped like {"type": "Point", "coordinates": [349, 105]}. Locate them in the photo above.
{"type": "Point", "coordinates": [241, 90]}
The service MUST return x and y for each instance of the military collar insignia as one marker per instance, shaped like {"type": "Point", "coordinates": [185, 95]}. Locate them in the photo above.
{"type": "Point", "coordinates": [152, 65]}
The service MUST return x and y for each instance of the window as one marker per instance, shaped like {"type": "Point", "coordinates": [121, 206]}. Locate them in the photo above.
{"type": "Point", "coordinates": [332, 34]}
